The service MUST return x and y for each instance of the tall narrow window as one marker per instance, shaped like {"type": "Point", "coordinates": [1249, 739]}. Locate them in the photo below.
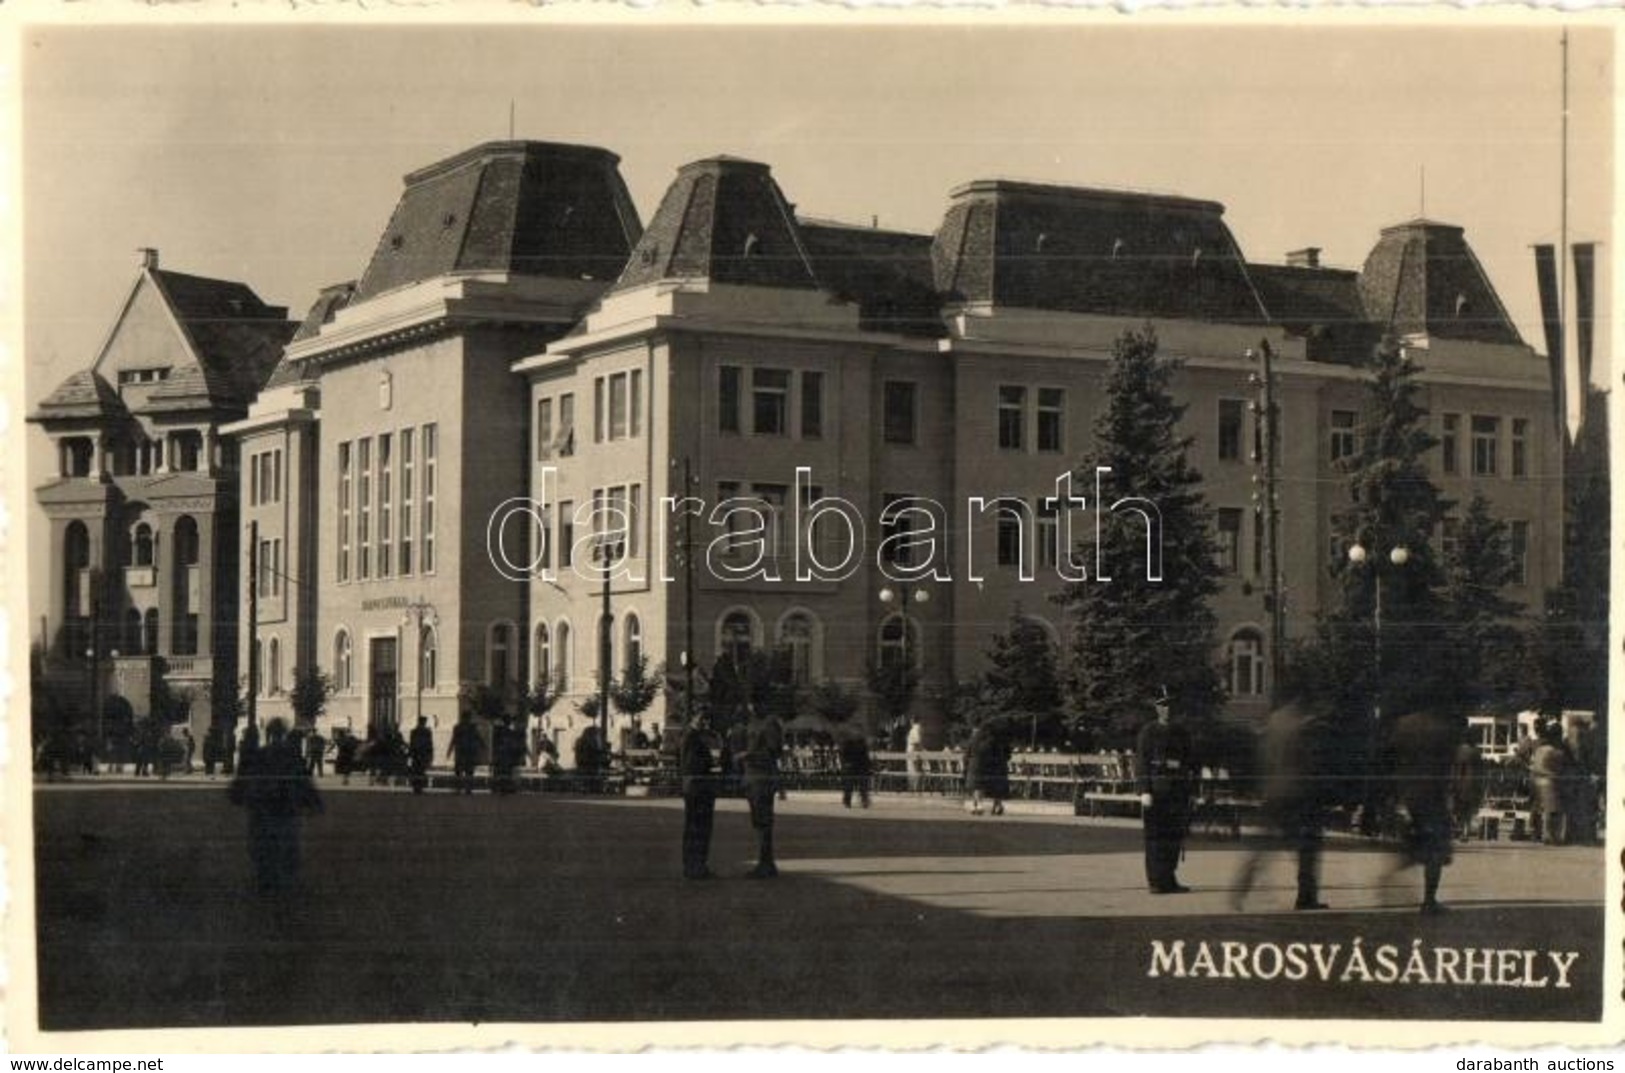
{"type": "Point", "coordinates": [896, 524]}
{"type": "Point", "coordinates": [1009, 537]}
{"type": "Point", "coordinates": [544, 429]}
{"type": "Point", "coordinates": [276, 476]}
{"type": "Point", "coordinates": [634, 640]}
{"type": "Point", "coordinates": [1051, 418]}
{"type": "Point", "coordinates": [344, 511]}
{"type": "Point", "coordinates": [1229, 542]}
{"type": "Point", "coordinates": [498, 663]}
{"type": "Point", "coordinates": [1518, 546]}
{"type": "Point", "coordinates": [796, 635]}
{"type": "Point", "coordinates": [598, 410]}
{"type": "Point", "coordinates": [254, 481]}
{"type": "Point", "coordinates": [429, 448]}
{"type": "Point", "coordinates": [1520, 447]}
{"type": "Point", "coordinates": [617, 406]}
{"type": "Point", "coordinates": [1246, 664]}
{"type": "Point", "coordinates": [898, 415]}
{"type": "Point", "coordinates": [728, 389]}
{"type": "Point", "coordinates": [812, 405]}
{"type": "Point", "coordinates": [274, 668]}
{"type": "Point", "coordinates": [430, 658]}
{"type": "Point", "coordinates": [1012, 407]}
{"type": "Point", "coordinates": [343, 657]}
{"type": "Point", "coordinates": [1230, 422]}
{"type": "Point", "coordinates": [634, 406]}
{"type": "Point", "coordinates": [408, 493]}
{"type": "Point", "coordinates": [567, 533]}
{"type": "Point", "coordinates": [634, 517]}
{"type": "Point", "coordinates": [1486, 444]}
{"type": "Point", "coordinates": [567, 425]}
{"type": "Point", "coordinates": [363, 521]}
{"type": "Point", "coordinates": [1450, 443]}
{"type": "Point", "coordinates": [386, 505]}
{"type": "Point", "coordinates": [1343, 434]}
{"type": "Point", "coordinates": [1049, 532]}
{"type": "Point", "coordinates": [770, 402]}
{"type": "Point", "coordinates": [774, 497]}
{"type": "Point", "coordinates": [542, 656]}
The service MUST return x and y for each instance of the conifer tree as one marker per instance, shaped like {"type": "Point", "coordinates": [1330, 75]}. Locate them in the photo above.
{"type": "Point", "coordinates": [1129, 636]}
{"type": "Point", "coordinates": [1482, 644]}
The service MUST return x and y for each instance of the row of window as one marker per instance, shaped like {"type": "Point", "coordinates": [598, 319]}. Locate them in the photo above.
{"type": "Point", "coordinates": [616, 515]}
{"type": "Point", "coordinates": [775, 394]}
{"type": "Point", "coordinates": [265, 477]}
{"type": "Point", "coordinates": [269, 568]}
{"type": "Point", "coordinates": [1517, 546]}
{"type": "Point", "coordinates": [1483, 446]}
{"type": "Point", "coordinates": [386, 504]}
{"type": "Point", "coordinates": [1048, 419]}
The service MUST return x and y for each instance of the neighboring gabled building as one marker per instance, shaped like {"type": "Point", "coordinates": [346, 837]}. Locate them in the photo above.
{"type": "Point", "coordinates": [143, 507]}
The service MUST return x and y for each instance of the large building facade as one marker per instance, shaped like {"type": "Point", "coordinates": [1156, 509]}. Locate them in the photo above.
{"type": "Point", "coordinates": [523, 368]}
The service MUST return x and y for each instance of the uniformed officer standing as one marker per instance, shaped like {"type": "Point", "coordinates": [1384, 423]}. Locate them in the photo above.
{"type": "Point", "coordinates": [1163, 764]}
{"type": "Point", "coordinates": [764, 741]}
{"type": "Point", "coordinates": [696, 762]}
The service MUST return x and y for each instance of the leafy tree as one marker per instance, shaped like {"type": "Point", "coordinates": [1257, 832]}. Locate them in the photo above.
{"type": "Point", "coordinates": [1131, 636]}
{"type": "Point", "coordinates": [762, 680]}
{"type": "Point", "coordinates": [636, 688]}
{"type": "Point", "coordinates": [308, 697]}
{"type": "Point", "coordinates": [1022, 682]}
{"type": "Point", "coordinates": [893, 685]}
{"type": "Point", "coordinates": [482, 701]}
{"type": "Point", "coordinates": [1481, 642]}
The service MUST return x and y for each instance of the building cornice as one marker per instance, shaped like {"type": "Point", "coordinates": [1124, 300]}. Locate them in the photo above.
{"type": "Point", "coordinates": [267, 421]}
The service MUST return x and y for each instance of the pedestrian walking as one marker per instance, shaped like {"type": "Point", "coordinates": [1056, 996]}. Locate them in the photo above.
{"type": "Point", "coordinates": [190, 743]}
{"type": "Point", "coordinates": [1292, 760]}
{"type": "Point", "coordinates": [696, 762]}
{"type": "Point", "coordinates": [345, 748]}
{"type": "Point", "coordinates": [912, 747]}
{"type": "Point", "coordinates": [212, 751]}
{"type": "Point", "coordinates": [1162, 757]}
{"type": "Point", "coordinates": [464, 752]}
{"type": "Point", "coordinates": [856, 767]}
{"type": "Point", "coordinates": [987, 766]}
{"type": "Point", "coordinates": [764, 742]}
{"type": "Point", "coordinates": [274, 785]}
{"type": "Point", "coordinates": [1548, 769]}
{"type": "Point", "coordinates": [507, 749]}
{"type": "Point", "coordinates": [1423, 748]}
{"type": "Point", "coordinates": [316, 753]}
{"type": "Point", "coordinates": [420, 754]}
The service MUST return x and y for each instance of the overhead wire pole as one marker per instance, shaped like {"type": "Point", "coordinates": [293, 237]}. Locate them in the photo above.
{"type": "Point", "coordinates": [253, 620]}
{"type": "Point", "coordinates": [1268, 431]}
{"type": "Point", "coordinates": [1563, 236]}
{"type": "Point", "coordinates": [688, 598]}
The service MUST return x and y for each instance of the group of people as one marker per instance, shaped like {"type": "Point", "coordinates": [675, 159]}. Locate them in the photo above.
{"type": "Point", "coordinates": [708, 763]}
{"type": "Point", "coordinates": [147, 746]}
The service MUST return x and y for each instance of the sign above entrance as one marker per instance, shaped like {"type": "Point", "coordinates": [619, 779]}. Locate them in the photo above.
{"type": "Point", "coordinates": [384, 603]}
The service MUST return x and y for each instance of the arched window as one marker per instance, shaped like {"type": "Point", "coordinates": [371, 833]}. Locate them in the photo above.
{"type": "Point", "coordinates": [1246, 663]}
{"type": "Point", "coordinates": [634, 639]}
{"type": "Point", "coordinates": [798, 634]}
{"type": "Point", "coordinates": [274, 668]}
{"type": "Point", "coordinates": [736, 634]}
{"type": "Point", "coordinates": [899, 642]}
{"type": "Point", "coordinates": [185, 542]}
{"type": "Point", "coordinates": [430, 657]}
{"type": "Point", "coordinates": [561, 657]}
{"type": "Point", "coordinates": [259, 665]}
{"type": "Point", "coordinates": [149, 632]}
{"type": "Point", "coordinates": [141, 546]}
{"type": "Point", "coordinates": [343, 662]}
{"type": "Point", "coordinates": [76, 587]}
{"type": "Point", "coordinates": [499, 655]}
{"type": "Point", "coordinates": [542, 653]}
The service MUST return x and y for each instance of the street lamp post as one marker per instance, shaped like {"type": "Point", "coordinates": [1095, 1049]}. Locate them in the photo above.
{"type": "Point", "coordinates": [1359, 555]}
{"type": "Point", "coordinates": [902, 595]}
{"type": "Point", "coordinates": [1268, 445]}
{"type": "Point", "coordinates": [421, 612]}
{"type": "Point", "coordinates": [611, 549]}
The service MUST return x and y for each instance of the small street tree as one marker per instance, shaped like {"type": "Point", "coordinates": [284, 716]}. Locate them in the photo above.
{"type": "Point", "coordinates": [308, 697]}
{"type": "Point", "coordinates": [636, 688]}
{"type": "Point", "coordinates": [1022, 682]}
{"type": "Point", "coordinates": [1131, 634]}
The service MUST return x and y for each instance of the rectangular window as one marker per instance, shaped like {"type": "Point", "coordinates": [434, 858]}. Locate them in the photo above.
{"type": "Point", "coordinates": [1450, 443]}
{"type": "Point", "coordinates": [567, 533]}
{"type": "Point", "coordinates": [544, 429]}
{"type": "Point", "coordinates": [363, 523]}
{"type": "Point", "coordinates": [386, 504]}
{"type": "Point", "coordinates": [1049, 531]}
{"type": "Point", "coordinates": [408, 493]}
{"type": "Point", "coordinates": [566, 445]}
{"type": "Point", "coordinates": [1486, 444]}
{"type": "Point", "coordinates": [774, 497]}
{"type": "Point", "coordinates": [1051, 418]}
{"type": "Point", "coordinates": [262, 573]}
{"type": "Point", "coordinates": [898, 417]}
{"type": "Point", "coordinates": [1230, 424]}
{"type": "Point", "coordinates": [1012, 408]}
{"type": "Point", "coordinates": [598, 410]}
{"type": "Point", "coordinates": [1518, 541]}
{"type": "Point", "coordinates": [812, 405]}
{"type": "Point", "coordinates": [254, 481]}
{"type": "Point", "coordinates": [634, 514]}
{"type": "Point", "coordinates": [1520, 447]}
{"type": "Point", "coordinates": [429, 476]}
{"type": "Point", "coordinates": [617, 406]}
{"type": "Point", "coordinates": [634, 406]}
{"type": "Point", "coordinates": [1343, 434]}
{"type": "Point", "coordinates": [276, 476]}
{"type": "Point", "coordinates": [770, 402]}
{"type": "Point", "coordinates": [728, 388]}
{"type": "Point", "coordinates": [727, 490]}
{"type": "Point", "coordinates": [1229, 542]}
{"type": "Point", "coordinates": [1009, 543]}
{"type": "Point", "coordinates": [899, 553]}
{"type": "Point", "coordinates": [276, 567]}
{"type": "Point", "coordinates": [344, 511]}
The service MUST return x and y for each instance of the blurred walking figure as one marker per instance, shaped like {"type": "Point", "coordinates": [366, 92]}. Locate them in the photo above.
{"type": "Point", "coordinates": [696, 760]}
{"type": "Point", "coordinates": [274, 785]}
{"type": "Point", "coordinates": [464, 752]}
{"type": "Point", "coordinates": [987, 767]}
{"type": "Point", "coordinates": [507, 753]}
{"type": "Point", "coordinates": [764, 741]}
{"type": "Point", "coordinates": [1548, 768]}
{"type": "Point", "coordinates": [420, 754]}
{"type": "Point", "coordinates": [856, 768]}
{"type": "Point", "coordinates": [315, 753]}
{"type": "Point", "coordinates": [1162, 760]}
{"type": "Point", "coordinates": [1423, 748]}
{"type": "Point", "coordinates": [1293, 761]}
{"type": "Point", "coordinates": [1466, 786]}
{"type": "Point", "coordinates": [345, 747]}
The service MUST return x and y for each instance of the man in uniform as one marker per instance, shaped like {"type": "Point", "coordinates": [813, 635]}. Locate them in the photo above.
{"type": "Point", "coordinates": [696, 759]}
{"type": "Point", "coordinates": [764, 741]}
{"type": "Point", "coordinates": [1163, 764]}
{"type": "Point", "coordinates": [420, 754]}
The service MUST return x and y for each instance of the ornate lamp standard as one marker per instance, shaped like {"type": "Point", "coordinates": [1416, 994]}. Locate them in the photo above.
{"type": "Point", "coordinates": [902, 595]}
{"type": "Point", "coordinates": [1360, 556]}
{"type": "Point", "coordinates": [610, 550]}
{"type": "Point", "coordinates": [422, 613]}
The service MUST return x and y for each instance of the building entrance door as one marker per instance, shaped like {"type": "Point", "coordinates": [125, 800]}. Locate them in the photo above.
{"type": "Point", "coordinates": [384, 715]}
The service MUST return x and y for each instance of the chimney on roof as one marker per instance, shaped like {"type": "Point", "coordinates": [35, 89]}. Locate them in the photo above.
{"type": "Point", "coordinates": [1308, 257]}
{"type": "Point", "coordinates": [149, 257]}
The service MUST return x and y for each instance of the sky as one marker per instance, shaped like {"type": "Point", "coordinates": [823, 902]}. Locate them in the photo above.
{"type": "Point", "coordinates": [274, 154]}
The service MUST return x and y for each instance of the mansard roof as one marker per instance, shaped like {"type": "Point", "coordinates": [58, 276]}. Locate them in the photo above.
{"type": "Point", "coordinates": [1084, 250]}
{"type": "Point", "coordinates": [84, 394]}
{"type": "Point", "coordinates": [888, 273]}
{"type": "Point", "coordinates": [1321, 304]}
{"type": "Point", "coordinates": [726, 220]}
{"type": "Point", "coordinates": [523, 207]}
{"type": "Point", "coordinates": [1422, 278]}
